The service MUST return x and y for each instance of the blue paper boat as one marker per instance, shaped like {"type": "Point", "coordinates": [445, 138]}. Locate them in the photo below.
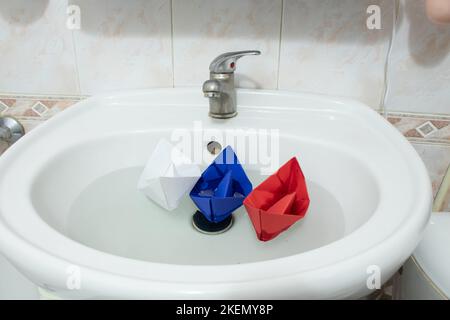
{"type": "Point", "coordinates": [222, 187]}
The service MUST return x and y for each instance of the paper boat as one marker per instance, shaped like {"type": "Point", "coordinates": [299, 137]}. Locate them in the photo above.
{"type": "Point", "coordinates": [168, 176]}
{"type": "Point", "coordinates": [222, 187]}
{"type": "Point", "coordinates": [278, 202]}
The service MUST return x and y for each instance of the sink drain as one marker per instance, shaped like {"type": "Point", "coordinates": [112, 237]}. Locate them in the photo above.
{"type": "Point", "coordinates": [203, 225]}
{"type": "Point", "coordinates": [214, 147]}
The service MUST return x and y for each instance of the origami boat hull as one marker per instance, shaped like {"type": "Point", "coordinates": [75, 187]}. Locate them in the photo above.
{"type": "Point", "coordinates": [168, 176]}
{"type": "Point", "coordinates": [222, 187]}
{"type": "Point", "coordinates": [267, 225]}
{"type": "Point", "coordinates": [278, 202]}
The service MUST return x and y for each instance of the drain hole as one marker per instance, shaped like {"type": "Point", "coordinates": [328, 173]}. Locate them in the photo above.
{"type": "Point", "coordinates": [202, 224]}
{"type": "Point", "coordinates": [214, 147]}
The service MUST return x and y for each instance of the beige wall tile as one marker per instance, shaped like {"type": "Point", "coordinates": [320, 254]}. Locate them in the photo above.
{"type": "Point", "coordinates": [203, 29]}
{"type": "Point", "coordinates": [327, 48]}
{"type": "Point", "coordinates": [36, 50]}
{"type": "Point", "coordinates": [123, 45]}
{"type": "Point", "coordinates": [419, 78]}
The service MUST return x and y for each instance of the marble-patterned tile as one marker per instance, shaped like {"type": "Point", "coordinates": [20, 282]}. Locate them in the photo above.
{"type": "Point", "coordinates": [419, 73]}
{"type": "Point", "coordinates": [422, 127]}
{"type": "Point", "coordinates": [203, 29]}
{"type": "Point", "coordinates": [30, 124]}
{"type": "Point", "coordinates": [35, 108]}
{"type": "Point", "coordinates": [327, 48]}
{"type": "Point", "coordinates": [123, 45]}
{"type": "Point", "coordinates": [436, 159]}
{"type": "Point", "coordinates": [36, 49]}
{"type": "Point", "coordinates": [5, 104]}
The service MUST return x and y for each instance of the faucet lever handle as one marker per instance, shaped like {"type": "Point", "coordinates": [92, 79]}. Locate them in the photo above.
{"type": "Point", "coordinates": [226, 62]}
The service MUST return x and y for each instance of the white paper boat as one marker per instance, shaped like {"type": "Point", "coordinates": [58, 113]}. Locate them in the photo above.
{"type": "Point", "coordinates": [168, 176]}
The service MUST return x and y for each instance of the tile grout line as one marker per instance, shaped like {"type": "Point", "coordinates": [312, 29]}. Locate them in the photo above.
{"type": "Point", "coordinates": [279, 44]}
{"type": "Point", "coordinates": [171, 43]}
{"type": "Point", "coordinates": [439, 143]}
{"type": "Point", "coordinates": [25, 96]}
{"type": "Point", "coordinates": [418, 115]}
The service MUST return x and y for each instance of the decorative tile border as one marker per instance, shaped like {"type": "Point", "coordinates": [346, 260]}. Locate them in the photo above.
{"type": "Point", "coordinates": [421, 127]}
{"type": "Point", "coordinates": [38, 108]}
{"type": "Point", "coordinates": [32, 111]}
{"type": "Point", "coordinates": [3, 107]}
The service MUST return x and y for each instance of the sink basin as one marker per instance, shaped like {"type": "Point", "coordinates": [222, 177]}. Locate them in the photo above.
{"type": "Point", "coordinates": [68, 201]}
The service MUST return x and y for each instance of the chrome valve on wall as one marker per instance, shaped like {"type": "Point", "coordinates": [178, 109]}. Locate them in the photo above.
{"type": "Point", "coordinates": [11, 130]}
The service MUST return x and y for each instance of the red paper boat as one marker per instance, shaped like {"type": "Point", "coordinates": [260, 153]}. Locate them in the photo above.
{"type": "Point", "coordinates": [278, 202]}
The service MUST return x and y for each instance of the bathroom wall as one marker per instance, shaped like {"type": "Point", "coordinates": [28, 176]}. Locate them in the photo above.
{"type": "Point", "coordinates": [320, 46]}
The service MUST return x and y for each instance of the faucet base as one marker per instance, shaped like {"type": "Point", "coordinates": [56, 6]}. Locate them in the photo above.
{"type": "Point", "coordinates": [222, 115]}
{"type": "Point", "coordinates": [201, 224]}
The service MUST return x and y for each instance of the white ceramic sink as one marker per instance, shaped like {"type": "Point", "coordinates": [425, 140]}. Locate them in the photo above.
{"type": "Point", "coordinates": [69, 206]}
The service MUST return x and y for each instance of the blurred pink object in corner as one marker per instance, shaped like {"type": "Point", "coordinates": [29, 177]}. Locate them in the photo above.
{"type": "Point", "coordinates": [438, 11]}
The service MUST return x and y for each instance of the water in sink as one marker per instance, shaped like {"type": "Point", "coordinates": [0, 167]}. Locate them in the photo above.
{"type": "Point", "coordinates": [111, 215]}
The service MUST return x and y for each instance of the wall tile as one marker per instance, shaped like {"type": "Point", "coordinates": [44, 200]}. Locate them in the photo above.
{"type": "Point", "coordinates": [36, 50]}
{"type": "Point", "coordinates": [419, 78]}
{"type": "Point", "coordinates": [203, 29]}
{"type": "Point", "coordinates": [123, 44]}
{"type": "Point", "coordinates": [327, 48]}
{"type": "Point", "coordinates": [421, 127]}
{"type": "Point", "coordinates": [34, 108]}
{"type": "Point", "coordinates": [446, 204]}
{"type": "Point", "coordinates": [436, 159]}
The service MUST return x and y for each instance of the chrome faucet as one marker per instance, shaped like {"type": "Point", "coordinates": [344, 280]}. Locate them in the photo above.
{"type": "Point", "coordinates": [220, 87]}
{"type": "Point", "coordinates": [11, 130]}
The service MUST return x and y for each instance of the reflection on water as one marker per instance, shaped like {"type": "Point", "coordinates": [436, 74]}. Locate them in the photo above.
{"type": "Point", "coordinates": [111, 215]}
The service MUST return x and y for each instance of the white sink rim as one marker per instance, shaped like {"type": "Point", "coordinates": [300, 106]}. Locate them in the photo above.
{"type": "Point", "coordinates": [204, 278]}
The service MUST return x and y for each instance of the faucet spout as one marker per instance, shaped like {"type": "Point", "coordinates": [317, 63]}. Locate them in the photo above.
{"type": "Point", "coordinates": [212, 89]}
